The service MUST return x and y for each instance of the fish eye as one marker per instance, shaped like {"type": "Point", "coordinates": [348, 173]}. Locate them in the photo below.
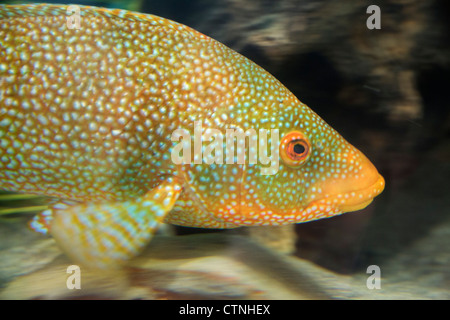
{"type": "Point", "coordinates": [294, 148]}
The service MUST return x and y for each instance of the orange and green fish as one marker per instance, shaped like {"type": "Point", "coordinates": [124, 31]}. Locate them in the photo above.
{"type": "Point", "coordinates": [88, 108]}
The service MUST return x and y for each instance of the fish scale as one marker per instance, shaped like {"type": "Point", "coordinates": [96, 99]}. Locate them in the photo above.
{"type": "Point", "coordinates": [88, 114]}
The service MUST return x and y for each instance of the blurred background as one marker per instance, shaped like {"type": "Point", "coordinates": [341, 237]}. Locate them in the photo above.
{"type": "Point", "coordinates": [385, 91]}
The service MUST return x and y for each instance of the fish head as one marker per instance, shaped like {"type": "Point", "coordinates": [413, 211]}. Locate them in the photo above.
{"type": "Point", "coordinates": [297, 168]}
{"type": "Point", "coordinates": [318, 174]}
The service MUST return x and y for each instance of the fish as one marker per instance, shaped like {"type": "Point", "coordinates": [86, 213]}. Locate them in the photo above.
{"type": "Point", "coordinates": [94, 102]}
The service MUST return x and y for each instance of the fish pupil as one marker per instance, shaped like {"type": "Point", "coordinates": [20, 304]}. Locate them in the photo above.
{"type": "Point", "coordinates": [299, 148]}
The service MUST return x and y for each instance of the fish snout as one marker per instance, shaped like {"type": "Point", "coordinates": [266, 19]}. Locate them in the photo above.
{"type": "Point", "coordinates": [354, 184]}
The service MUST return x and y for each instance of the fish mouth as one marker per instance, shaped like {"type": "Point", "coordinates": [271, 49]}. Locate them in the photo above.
{"type": "Point", "coordinates": [338, 203]}
{"type": "Point", "coordinates": [363, 197]}
{"type": "Point", "coordinates": [357, 199]}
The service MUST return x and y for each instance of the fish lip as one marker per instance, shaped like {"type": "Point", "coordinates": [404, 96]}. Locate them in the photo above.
{"type": "Point", "coordinates": [353, 200]}
{"type": "Point", "coordinates": [365, 196]}
{"type": "Point", "coordinates": [355, 207]}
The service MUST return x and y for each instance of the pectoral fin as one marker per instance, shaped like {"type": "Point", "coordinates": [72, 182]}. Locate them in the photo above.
{"type": "Point", "coordinates": [108, 234]}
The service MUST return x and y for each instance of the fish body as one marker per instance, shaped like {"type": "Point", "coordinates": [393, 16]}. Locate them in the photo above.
{"type": "Point", "coordinates": [88, 114]}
